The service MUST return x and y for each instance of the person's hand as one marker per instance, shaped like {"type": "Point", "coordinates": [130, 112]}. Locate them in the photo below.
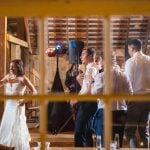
{"type": "Point", "coordinates": [21, 102]}
{"type": "Point", "coordinates": [90, 78]}
{"type": "Point", "coordinates": [80, 78]}
{"type": "Point", "coordinates": [72, 85]}
{"type": "Point", "coordinates": [73, 103]}
{"type": "Point", "coordinates": [11, 78]}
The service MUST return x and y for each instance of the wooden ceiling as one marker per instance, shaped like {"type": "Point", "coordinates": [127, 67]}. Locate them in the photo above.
{"type": "Point", "coordinates": [90, 30]}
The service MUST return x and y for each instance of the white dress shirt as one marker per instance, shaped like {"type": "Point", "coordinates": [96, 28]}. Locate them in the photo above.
{"type": "Point", "coordinates": [121, 85]}
{"type": "Point", "coordinates": [90, 71]}
{"type": "Point", "coordinates": [137, 69]}
{"type": "Point", "coordinates": [98, 88]}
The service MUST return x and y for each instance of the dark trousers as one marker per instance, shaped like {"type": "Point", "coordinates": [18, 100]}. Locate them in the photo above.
{"type": "Point", "coordinates": [118, 122]}
{"type": "Point", "coordinates": [137, 116]}
{"type": "Point", "coordinates": [97, 124]}
{"type": "Point", "coordinates": [119, 119]}
{"type": "Point", "coordinates": [83, 133]}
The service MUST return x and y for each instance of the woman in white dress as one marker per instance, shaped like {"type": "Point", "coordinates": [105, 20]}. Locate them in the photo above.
{"type": "Point", "coordinates": [13, 128]}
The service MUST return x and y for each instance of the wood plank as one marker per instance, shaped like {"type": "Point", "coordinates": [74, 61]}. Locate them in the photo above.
{"type": "Point", "coordinates": [17, 41]}
{"type": "Point", "coordinates": [3, 57]}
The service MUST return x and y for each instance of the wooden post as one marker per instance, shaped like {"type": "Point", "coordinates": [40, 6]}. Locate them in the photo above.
{"type": "Point", "coordinates": [3, 30]}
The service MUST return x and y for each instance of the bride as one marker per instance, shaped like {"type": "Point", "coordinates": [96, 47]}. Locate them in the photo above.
{"type": "Point", "coordinates": [13, 128]}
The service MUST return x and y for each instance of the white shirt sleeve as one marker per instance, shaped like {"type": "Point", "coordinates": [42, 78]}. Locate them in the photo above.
{"type": "Point", "coordinates": [129, 70]}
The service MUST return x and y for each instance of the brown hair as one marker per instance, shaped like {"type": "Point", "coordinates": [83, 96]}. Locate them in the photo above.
{"type": "Point", "coordinates": [19, 66]}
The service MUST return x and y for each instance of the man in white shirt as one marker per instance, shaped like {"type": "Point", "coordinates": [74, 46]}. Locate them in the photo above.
{"type": "Point", "coordinates": [137, 69]}
{"type": "Point", "coordinates": [121, 85]}
{"type": "Point", "coordinates": [83, 134]}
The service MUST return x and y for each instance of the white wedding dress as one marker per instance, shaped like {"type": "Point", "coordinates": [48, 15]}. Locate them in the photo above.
{"type": "Point", "coordinates": [13, 128]}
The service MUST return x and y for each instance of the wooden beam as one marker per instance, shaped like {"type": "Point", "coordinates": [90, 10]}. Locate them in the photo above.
{"type": "Point", "coordinates": [17, 41]}
{"type": "Point", "coordinates": [3, 57]}
{"type": "Point", "coordinates": [74, 7]}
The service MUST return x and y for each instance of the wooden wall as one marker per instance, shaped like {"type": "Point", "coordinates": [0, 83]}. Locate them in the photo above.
{"type": "Point", "coordinates": [63, 66]}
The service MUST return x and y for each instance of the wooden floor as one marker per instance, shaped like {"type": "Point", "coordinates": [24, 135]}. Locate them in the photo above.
{"type": "Point", "coordinates": [65, 139]}
{"type": "Point", "coordinates": [59, 140]}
